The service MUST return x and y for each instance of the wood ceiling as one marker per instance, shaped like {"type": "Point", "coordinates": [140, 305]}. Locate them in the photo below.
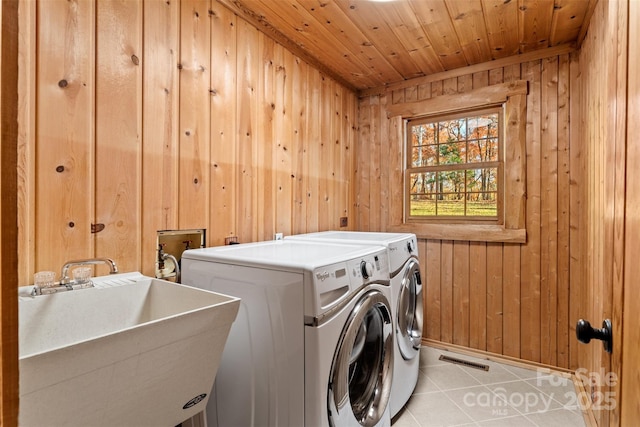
{"type": "Point", "coordinates": [368, 44]}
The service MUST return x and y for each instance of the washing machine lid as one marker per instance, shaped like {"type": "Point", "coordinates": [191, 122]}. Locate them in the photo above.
{"type": "Point", "coordinates": [296, 255]}
{"type": "Point", "coordinates": [361, 236]}
{"type": "Point", "coordinates": [400, 246]}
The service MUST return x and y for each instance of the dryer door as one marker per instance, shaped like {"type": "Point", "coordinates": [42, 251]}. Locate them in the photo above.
{"type": "Point", "coordinates": [362, 367]}
{"type": "Point", "coordinates": [409, 311]}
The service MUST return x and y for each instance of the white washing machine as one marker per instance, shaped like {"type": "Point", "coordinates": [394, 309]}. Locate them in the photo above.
{"type": "Point", "coordinates": [407, 304]}
{"type": "Point", "coordinates": [312, 344]}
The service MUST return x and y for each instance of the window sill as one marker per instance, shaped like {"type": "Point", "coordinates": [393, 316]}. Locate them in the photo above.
{"type": "Point", "coordinates": [466, 232]}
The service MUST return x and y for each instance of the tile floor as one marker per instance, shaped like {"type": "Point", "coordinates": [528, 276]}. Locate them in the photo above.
{"type": "Point", "coordinates": [453, 395]}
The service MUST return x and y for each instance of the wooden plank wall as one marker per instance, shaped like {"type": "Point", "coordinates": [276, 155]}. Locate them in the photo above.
{"type": "Point", "coordinates": [603, 85]}
{"type": "Point", "coordinates": [510, 299]}
{"type": "Point", "coordinates": [152, 115]}
{"type": "Point", "coordinates": [9, 24]}
{"type": "Point", "coordinates": [630, 372]}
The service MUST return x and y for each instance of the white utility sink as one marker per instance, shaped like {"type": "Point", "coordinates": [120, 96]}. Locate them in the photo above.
{"type": "Point", "coordinates": [133, 351]}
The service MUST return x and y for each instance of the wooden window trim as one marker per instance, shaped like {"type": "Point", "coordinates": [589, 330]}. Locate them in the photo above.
{"type": "Point", "coordinates": [513, 97]}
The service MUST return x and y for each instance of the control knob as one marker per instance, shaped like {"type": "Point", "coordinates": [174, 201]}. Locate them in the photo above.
{"type": "Point", "coordinates": [367, 269]}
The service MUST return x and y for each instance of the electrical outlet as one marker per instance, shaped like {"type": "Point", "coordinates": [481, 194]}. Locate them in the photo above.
{"type": "Point", "coordinates": [344, 221]}
{"type": "Point", "coordinates": [278, 236]}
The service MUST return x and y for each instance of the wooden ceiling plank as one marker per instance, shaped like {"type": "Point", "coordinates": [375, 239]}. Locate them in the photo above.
{"type": "Point", "coordinates": [501, 20]}
{"type": "Point", "coordinates": [404, 24]}
{"type": "Point", "coordinates": [534, 24]}
{"type": "Point", "coordinates": [328, 14]}
{"type": "Point", "coordinates": [370, 46]}
{"type": "Point", "coordinates": [568, 16]}
{"type": "Point", "coordinates": [468, 22]}
{"type": "Point", "coordinates": [366, 17]}
{"type": "Point", "coordinates": [434, 19]}
{"type": "Point", "coordinates": [256, 20]}
{"type": "Point", "coordinates": [296, 23]}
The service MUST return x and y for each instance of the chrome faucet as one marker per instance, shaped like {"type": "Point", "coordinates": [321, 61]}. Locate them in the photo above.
{"type": "Point", "coordinates": [64, 277]}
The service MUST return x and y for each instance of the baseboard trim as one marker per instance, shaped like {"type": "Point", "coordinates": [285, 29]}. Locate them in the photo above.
{"type": "Point", "coordinates": [507, 360]}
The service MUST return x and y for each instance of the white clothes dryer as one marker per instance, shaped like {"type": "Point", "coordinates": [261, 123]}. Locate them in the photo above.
{"type": "Point", "coordinates": [312, 343]}
{"type": "Point", "coordinates": [407, 302]}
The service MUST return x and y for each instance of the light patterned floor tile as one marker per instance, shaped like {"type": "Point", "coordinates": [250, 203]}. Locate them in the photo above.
{"type": "Point", "coordinates": [449, 395]}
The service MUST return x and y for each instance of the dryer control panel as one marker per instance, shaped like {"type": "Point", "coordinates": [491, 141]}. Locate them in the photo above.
{"type": "Point", "coordinates": [400, 251]}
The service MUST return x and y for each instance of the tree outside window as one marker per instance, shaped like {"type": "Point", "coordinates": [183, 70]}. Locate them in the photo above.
{"type": "Point", "coordinates": [454, 166]}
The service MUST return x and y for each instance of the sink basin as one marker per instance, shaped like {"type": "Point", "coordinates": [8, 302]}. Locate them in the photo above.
{"type": "Point", "coordinates": [133, 351]}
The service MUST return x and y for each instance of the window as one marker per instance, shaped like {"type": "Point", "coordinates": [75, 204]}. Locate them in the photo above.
{"type": "Point", "coordinates": [454, 167]}
{"type": "Point", "coordinates": [463, 175]}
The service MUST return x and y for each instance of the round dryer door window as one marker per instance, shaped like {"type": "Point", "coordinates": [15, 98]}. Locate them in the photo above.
{"type": "Point", "coordinates": [362, 367]}
{"type": "Point", "coordinates": [409, 312]}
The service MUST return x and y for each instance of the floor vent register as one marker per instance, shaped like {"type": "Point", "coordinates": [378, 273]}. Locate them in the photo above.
{"type": "Point", "coordinates": [464, 363]}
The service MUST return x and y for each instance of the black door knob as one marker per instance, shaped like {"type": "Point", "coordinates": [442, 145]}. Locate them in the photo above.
{"type": "Point", "coordinates": [585, 333]}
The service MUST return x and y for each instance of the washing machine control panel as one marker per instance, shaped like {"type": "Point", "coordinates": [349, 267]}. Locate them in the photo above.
{"type": "Point", "coordinates": [334, 283]}
{"type": "Point", "coordinates": [331, 284]}
{"type": "Point", "coordinates": [371, 268]}
{"type": "Point", "coordinates": [366, 268]}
